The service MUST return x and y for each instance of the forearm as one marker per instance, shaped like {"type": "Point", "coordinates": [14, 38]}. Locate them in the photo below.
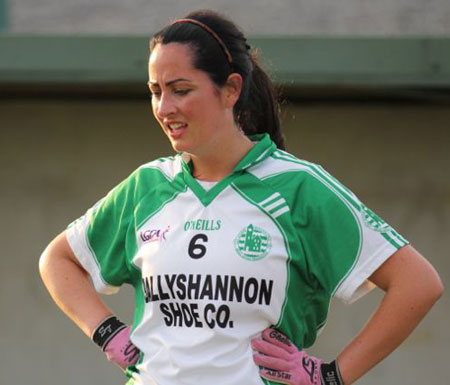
{"type": "Point", "coordinates": [386, 330]}
{"type": "Point", "coordinates": [407, 300]}
{"type": "Point", "coordinates": [70, 286]}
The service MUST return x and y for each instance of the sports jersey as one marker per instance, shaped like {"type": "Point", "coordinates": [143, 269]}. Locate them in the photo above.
{"type": "Point", "coordinates": [269, 245]}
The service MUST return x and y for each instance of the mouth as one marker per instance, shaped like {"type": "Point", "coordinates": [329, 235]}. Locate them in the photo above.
{"type": "Point", "coordinates": [176, 130]}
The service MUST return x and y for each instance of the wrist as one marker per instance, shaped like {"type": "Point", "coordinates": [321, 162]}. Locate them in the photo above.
{"type": "Point", "coordinates": [113, 337]}
{"type": "Point", "coordinates": [330, 374]}
{"type": "Point", "coordinates": [106, 330]}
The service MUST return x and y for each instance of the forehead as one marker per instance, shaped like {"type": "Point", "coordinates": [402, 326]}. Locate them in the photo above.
{"type": "Point", "coordinates": [168, 60]}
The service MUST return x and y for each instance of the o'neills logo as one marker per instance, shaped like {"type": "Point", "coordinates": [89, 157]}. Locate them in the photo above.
{"type": "Point", "coordinates": [154, 235]}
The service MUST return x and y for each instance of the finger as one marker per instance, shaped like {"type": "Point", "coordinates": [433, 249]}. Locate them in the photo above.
{"type": "Point", "coordinates": [131, 353]}
{"type": "Point", "coordinates": [277, 376]}
{"type": "Point", "coordinates": [273, 362]}
{"type": "Point", "coordinates": [270, 349]}
{"type": "Point", "coordinates": [279, 339]}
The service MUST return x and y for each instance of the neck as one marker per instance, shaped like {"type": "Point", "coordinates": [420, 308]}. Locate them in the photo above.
{"type": "Point", "coordinates": [219, 163]}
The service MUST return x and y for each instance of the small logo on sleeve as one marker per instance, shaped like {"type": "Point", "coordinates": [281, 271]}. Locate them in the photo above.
{"type": "Point", "coordinates": [252, 243]}
{"type": "Point", "coordinates": [154, 235]}
{"type": "Point", "coordinates": [373, 221]}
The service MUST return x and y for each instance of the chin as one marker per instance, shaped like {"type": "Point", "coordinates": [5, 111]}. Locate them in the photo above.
{"type": "Point", "coordinates": [179, 146]}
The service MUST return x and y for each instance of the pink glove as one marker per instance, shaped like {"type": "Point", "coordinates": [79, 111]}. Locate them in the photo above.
{"type": "Point", "coordinates": [121, 350]}
{"type": "Point", "coordinates": [113, 337]}
{"type": "Point", "coordinates": [284, 363]}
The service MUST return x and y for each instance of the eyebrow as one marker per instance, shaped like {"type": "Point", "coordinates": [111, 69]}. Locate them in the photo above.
{"type": "Point", "coordinates": [169, 83]}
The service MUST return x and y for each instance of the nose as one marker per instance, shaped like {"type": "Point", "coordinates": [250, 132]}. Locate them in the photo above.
{"type": "Point", "coordinates": [164, 106]}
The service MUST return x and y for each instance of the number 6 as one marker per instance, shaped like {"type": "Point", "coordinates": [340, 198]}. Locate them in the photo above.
{"type": "Point", "coordinates": [197, 250]}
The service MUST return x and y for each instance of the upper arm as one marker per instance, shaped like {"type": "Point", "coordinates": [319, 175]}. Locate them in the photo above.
{"type": "Point", "coordinates": [408, 267]}
{"type": "Point", "coordinates": [58, 249]}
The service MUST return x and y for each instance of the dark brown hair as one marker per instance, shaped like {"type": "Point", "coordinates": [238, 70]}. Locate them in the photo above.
{"type": "Point", "coordinates": [257, 110]}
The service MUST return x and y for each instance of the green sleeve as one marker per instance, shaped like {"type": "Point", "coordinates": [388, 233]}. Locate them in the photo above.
{"type": "Point", "coordinates": [103, 237]}
{"type": "Point", "coordinates": [329, 232]}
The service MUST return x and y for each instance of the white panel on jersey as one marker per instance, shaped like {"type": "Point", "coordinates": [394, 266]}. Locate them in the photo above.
{"type": "Point", "coordinates": [78, 241]}
{"type": "Point", "coordinates": [187, 254]}
{"type": "Point", "coordinates": [373, 253]}
{"type": "Point", "coordinates": [170, 166]}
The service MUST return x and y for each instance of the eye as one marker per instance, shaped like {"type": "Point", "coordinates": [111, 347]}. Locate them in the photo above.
{"type": "Point", "coordinates": [181, 91]}
{"type": "Point", "coordinates": [155, 94]}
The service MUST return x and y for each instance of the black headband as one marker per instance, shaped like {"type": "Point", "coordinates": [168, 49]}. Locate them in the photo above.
{"type": "Point", "coordinates": [213, 34]}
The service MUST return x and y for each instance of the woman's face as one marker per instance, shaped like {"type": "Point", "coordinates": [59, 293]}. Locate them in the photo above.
{"type": "Point", "coordinates": [192, 111]}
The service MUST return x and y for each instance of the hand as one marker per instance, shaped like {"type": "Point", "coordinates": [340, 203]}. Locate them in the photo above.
{"type": "Point", "coordinates": [121, 350]}
{"type": "Point", "coordinates": [113, 336]}
{"type": "Point", "coordinates": [284, 363]}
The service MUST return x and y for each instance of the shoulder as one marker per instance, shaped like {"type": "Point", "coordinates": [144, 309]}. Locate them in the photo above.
{"type": "Point", "coordinates": [167, 167]}
{"type": "Point", "coordinates": [300, 181]}
{"type": "Point", "coordinates": [281, 163]}
{"type": "Point", "coordinates": [284, 168]}
{"type": "Point", "coordinates": [148, 176]}
{"type": "Point", "coordinates": [161, 170]}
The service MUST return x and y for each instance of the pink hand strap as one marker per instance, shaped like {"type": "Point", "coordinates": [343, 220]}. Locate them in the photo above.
{"type": "Point", "coordinates": [121, 350]}
{"type": "Point", "coordinates": [282, 362]}
{"type": "Point", "coordinates": [113, 336]}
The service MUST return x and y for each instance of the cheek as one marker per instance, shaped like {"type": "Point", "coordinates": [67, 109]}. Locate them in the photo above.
{"type": "Point", "coordinates": [191, 109]}
{"type": "Point", "coordinates": [211, 113]}
{"type": "Point", "coordinates": [154, 105]}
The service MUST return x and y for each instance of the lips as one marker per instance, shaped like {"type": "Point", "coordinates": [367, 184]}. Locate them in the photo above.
{"type": "Point", "coordinates": [176, 130]}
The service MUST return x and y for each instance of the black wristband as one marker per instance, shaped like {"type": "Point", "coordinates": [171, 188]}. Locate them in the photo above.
{"type": "Point", "coordinates": [331, 374]}
{"type": "Point", "coordinates": [106, 331]}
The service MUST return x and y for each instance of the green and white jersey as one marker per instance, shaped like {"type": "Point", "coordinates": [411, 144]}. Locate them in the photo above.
{"type": "Point", "coordinates": [267, 246]}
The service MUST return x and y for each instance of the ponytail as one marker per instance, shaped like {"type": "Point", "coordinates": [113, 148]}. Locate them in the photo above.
{"type": "Point", "coordinates": [260, 112]}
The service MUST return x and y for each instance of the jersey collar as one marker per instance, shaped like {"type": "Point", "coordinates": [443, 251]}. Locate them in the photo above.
{"type": "Point", "coordinates": [262, 149]}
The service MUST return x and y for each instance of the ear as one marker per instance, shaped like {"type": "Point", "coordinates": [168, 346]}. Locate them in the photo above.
{"type": "Point", "coordinates": [232, 90]}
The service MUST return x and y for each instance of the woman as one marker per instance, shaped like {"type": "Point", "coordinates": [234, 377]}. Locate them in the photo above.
{"type": "Point", "coordinates": [234, 246]}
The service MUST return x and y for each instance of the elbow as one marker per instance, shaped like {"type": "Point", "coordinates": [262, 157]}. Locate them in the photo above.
{"type": "Point", "coordinates": [43, 262]}
{"type": "Point", "coordinates": [47, 258]}
{"type": "Point", "coordinates": [438, 290]}
{"type": "Point", "coordinates": [437, 287]}
{"type": "Point", "coordinates": [433, 289]}
{"type": "Point", "coordinates": [55, 256]}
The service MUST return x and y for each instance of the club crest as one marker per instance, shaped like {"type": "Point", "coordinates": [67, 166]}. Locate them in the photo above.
{"type": "Point", "coordinates": [252, 243]}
